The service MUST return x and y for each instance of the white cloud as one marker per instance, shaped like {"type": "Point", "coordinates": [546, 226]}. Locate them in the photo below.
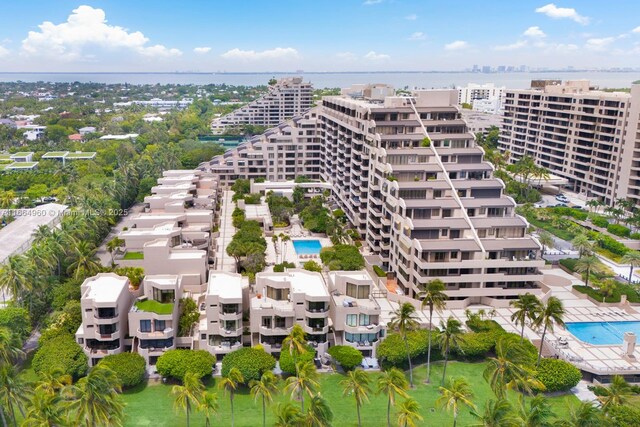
{"type": "Point", "coordinates": [87, 27]}
{"type": "Point", "coordinates": [534, 32]}
{"type": "Point", "coordinates": [4, 51]}
{"type": "Point", "coordinates": [555, 12]}
{"type": "Point", "coordinates": [418, 35]}
{"type": "Point", "coordinates": [346, 55]}
{"type": "Point", "coordinates": [252, 55]}
{"type": "Point", "coordinates": [413, 17]}
{"type": "Point", "coordinates": [513, 46]}
{"type": "Point", "coordinates": [636, 30]}
{"type": "Point", "coordinates": [373, 56]}
{"type": "Point", "coordinates": [599, 44]}
{"type": "Point", "coordinates": [202, 50]}
{"type": "Point", "coordinates": [456, 45]}
{"type": "Point", "coordinates": [371, 2]}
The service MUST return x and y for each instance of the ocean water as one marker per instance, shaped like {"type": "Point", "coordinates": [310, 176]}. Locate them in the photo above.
{"type": "Point", "coordinates": [411, 80]}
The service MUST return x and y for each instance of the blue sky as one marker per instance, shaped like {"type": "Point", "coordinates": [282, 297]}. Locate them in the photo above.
{"type": "Point", "coordinates": [327, 35]}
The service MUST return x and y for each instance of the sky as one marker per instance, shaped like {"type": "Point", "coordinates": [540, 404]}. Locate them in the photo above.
{"type": "Point", "coordinates": [320, 35]}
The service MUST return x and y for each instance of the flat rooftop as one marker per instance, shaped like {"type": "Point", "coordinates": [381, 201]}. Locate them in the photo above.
{"type": "Point", "coordinates": [308, 283]}
{"type": "Point", "coordinates": [163, 279]}
{"type": "Point", "coordinates": [105, 287]}
{"type": "Point", "coordinates": [225, 285]}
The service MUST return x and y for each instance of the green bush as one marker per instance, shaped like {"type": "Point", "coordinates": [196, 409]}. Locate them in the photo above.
{"type": "Point", "coordinates": [237, 217]}
{"type": "Point", "coordinates": [620, 289]}
{"type": "Point", "coordinates": [598, 390]}
{"type": "Point", "coordinates": [599, 221]}
{"type": "Point", "coordinates": [176, 363]}
{"type": "Point", "coordinates": [476, 345]}
{"type": "Point", "coordinates": [392, 351]}
{"type": "Point", "coordinates": [578, 214]}
{"type": "Point", "coordinates": [252, 199]}
{"type": "Point", "coordinates": [557, 375]}
{"type": "Point", "coordinates": [569, 263]}
{"type": "Point", "coordinates": [129, 367]}
{"type": "Point", "coordinates": [379, 272]}
{"type": "Point", "coordinates": [342, 257]}
{"type": "Point", "coordinates": [61, 352]}
{"type": "Point", "coordinates": [624, 416]}
{"type": "Point", "coordinates": [476, 324]}
{"type": "Point", "coordinates": [618, 230]}
{"type": "Point", "coordinates": [347, 356]}
{"type": "Point", "coordinates": [279, 268]}
{"type": "Point", "coordinates": [510, 339]}
{"type": "Point", "coordinates": [611, 244]}
{"type": "Point", "coordinates": [252, 362]}
{"type": "Point", "coordinates": [286, 360]}
{"type": "Point", "coordinates": [17, 320]}
{"type": "Point", "coordinates": [311, 265]}
{"type": "Point", "coordinates": [635, 236]}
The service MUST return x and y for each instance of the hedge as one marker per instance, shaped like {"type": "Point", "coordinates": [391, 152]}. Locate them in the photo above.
{"type": "Point", "coordinates": [279, 268]}
{"type": "Point", "coordinates": [578, 214]}
{"type": "Point", "coordinates": [618, 230]}
{"type": "Point", "coordinates": [347, 356]}
{"type": "Point", "coordinates": [476, 324]}
{"type": "Point", "coordinates": [379, 272]}
{"type": "Point", "coordinates": [510, 339]}
{"type": "Point", "coordinates": [557, 375]}
{"type": "Point", "coordinates": [624, 416]}
{"type": "Point", "coordinates": [620, 289]}
{"type": "Point", "coordinates": [599, 221]}
{"type": "Point", "coordinates": [342, 257]}
{"type": "Point", "coordinates": [129, 367]}
{"type": "Point", "coordinates": [61, 352]}
{"type": "Point", "coordinates": [476, 345]}
{"type": "Point", "coordinates": [176, 363]}
{"type": "Point", "coordinates": [611, 244]}
{"type": "Point", "coordinates": [286, 360]}
{"type": "Point", "coordinates": [392, 351]}
{"type": "Point", "coordinates": [252, 362]}
{"type": "Point", "coordinates": [569, 263]}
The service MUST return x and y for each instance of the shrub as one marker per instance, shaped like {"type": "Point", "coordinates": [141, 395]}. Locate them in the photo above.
{"type": "Point", "coordinates": [129, 367]}
{"type": "Point", "coordinates": [342, 257]}
{"type": "Point", "coordinates": [311, 265]}
{"type": "Point", "coordinates": [557, 375]}
{"type": "Point", "coordinates": [611, 244]}
{"type": "Point", "coordinates": [578, 214]}
{"type": "Point", "coordinates": [61, 352]}
{"type": "Point", "coordinates": [347, 356]}
{"type": "Point", "coordinates": [598, 390]}
{"type": "Point", "coordinates": [392, 351]}
{"type": "Point", "coordinates": [17, 320]}
{"type": "Point", "coordinates": [252, 362]}
{"type": "Point", "coordinates": [475, 345]}
{"type": "Point", "coordinates": [599, 221]}
{"type": "Point", "coordinates": [476, 324]}
{"type": "Point", "coordinates": [635, 236]}
{"type": "Point", "coordinates": [189, 315]}
{"type": "Point", "coordinates": [620, 289]}
{"type": "Point", "coordinates": [279, 268]}
{"type": "Point", "coordinates": [286, 360]}
{"type": "Point", "coordinates": [252, 199]}
{"type": "Point", "coordinates": [624, 416]}
{"type": "Point", "coordinates": [65, 292]}
{"type": "Point", "coordinates": [379, 272]}
{"type": "Point", "coordinates": [569, 263]}
{"type": "Point", "coordinates": [176, 363]}
{"type": "Point", "coordinates": [510, 339]}
{"type": "Point", "coordinates": [134, 274]}
{"type": "Point", "coordinates": [426, 142]}
{"type": "Point", "coordinates": [618, 230]}
{"type": "Point", "coordinates": [237, 217]}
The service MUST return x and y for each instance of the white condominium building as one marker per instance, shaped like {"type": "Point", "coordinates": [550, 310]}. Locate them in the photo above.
{"type": "Point", "coordinates": [288, 98]}
{"type": "Point", "coordinates": [486, 92]}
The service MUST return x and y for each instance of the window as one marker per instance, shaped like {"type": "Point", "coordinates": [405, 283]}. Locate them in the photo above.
{"type": "Point", "coordinates": [159, 325]}
{"type": "Point", "coordinates": [355, 291]}
{"type": "Point", "coordinates": [277, 294]}
{"type": "Point", "coordinates": [266, 322]}
{"type": "Point", "coordinates": [145, 326]}
{"type": "Point", "coordinates": [352, 320]}
{"type": "Point", "coordinates": [364, 320]}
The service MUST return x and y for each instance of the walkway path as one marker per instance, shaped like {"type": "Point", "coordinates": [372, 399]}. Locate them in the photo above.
{"type": "Point", "coordinates": [225, 262]}
{"type": "Point", "coordinates": [583, 393]}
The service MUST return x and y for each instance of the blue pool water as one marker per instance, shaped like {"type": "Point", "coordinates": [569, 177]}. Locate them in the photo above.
{"type": "Point", "coordinates": [602, 333]}
{"type": "Point", "coordinates": [307, 247]}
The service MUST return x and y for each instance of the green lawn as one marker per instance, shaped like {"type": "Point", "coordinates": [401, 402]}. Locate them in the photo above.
{"type": "Point", "coordinates": [154, 306]}
{"type": "Point", "coordinates": [133, 255]}
{"type": "Point", "coordinates": [152, 405]}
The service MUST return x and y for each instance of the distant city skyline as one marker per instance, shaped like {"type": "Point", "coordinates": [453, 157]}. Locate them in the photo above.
{"type": "Point", "coordinates": [358, 35]}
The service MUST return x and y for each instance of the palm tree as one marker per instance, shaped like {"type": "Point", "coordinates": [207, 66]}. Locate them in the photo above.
{"type": "Point", "coordinates": [83, 261]}
{"type": "Point", "coordinates": [582, 244]}
{"type": "Point", "coordinates": [10, 347]}
{"type": "Point", "coordinates": [305, 382]}
{"type": "Point", "coordinates": [95, 400]}
{"type": "Point", "coordinates": [285, 238]}
{"type": "Point", "coordinates": [15, 276]}
{"type": "Point", "coordinates": [14, 391]}
{"type": "Point", "coordinates": [458, 392]}
{"type": "Point", "coordinates": [319, 413]}
{"type": "Point", "coordinates": [44, 409]}
{"type": "Point", "coordinates": [274, 239]}
{"type": "Point", "coordinates": [288, 415]}
{"type": "Point", "coordinates": [54, 380]}
{"type": "Point", "coordinates": [450, 337]}
{"type": "Point", "coordinates": [188, 395]}
{"type": "Point", "coordinates": [7, 198]}
{"type": "Point", "coordinates": [409, 413]}
{"type": "Point", "coordinates": [546, 240]}
{"type": "Point", "coordinates": [434, 298]}
{"type": "Point", "coordinates": [537, 414]}
{"type": "Point", "coordinates": [527, 307]}
{"type": "Point", "coordinates": [357, 384]}
{"type": "Point", "coordinates": [510, 368]}
{"type": "Point", "coordinates": [230, 384]}
{"type": "Point", "coordinates": [113, 246]}
{"type": "Point", "coordinates": [403, 321]}
{"type": "Point", "coordinates": [390, 383]}
{"type": "Point", "coordinates": [209, 405]}
{"type": "Point", "coordinates": [587, 265]}
{"type": "Point", "coordinates": [618, 393]}
{"type": "Point", "coordinates": [550, 314]}
{"type": "Point", "coordinates": [633, 259]}
{"type": "Point", "coordinates": [585, 414]}
{"type": "Point", "coordinates": [295, 343]}
{"type": "Point", "coordinates": [41, 234]}
{"type": "Point", "coordinates": [264, 389]}
{"type": "Point", "coordinates": [496, 413]}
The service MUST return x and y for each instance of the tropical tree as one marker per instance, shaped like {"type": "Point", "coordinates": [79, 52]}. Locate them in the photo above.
{"type": "Point", "coordinates": [357, 384]}
{"type": "Point", "coordinates": [16, 276]}
{"type": "Point", "coordinates": [526, 308]}
{"type": "Point", "coordinates": [54, 381]}
{"type": "Point", "coordinates": [433, 297]}
{"type": "Point", "coordinates": [392, 382]}
{"type": "Point", "coordinates": [10, 347]}
{"type": "Point", "coordinates": [633, 259]}
{"type": "Point", "coordinates": [295, 343]}
{"type": "Point", "coordinates": [457, 393]}
{"type": "Point", "coordinates": [113, 246]}
{"type": "Point", "coordinates": [551, 313]}
{"type": "Point", "coordinates": [274, 239]}
{"type": "Point", "coordinates": [306, 381]}
{"type": "Point", "coordinates": [496, 413]}
{"type": "Point", "coordinates": [264, 389]}
{"type": "Point", "coordinates": [582, 244]}
{"type": "Point", "coordinates": [510, 368]}
{"type": "Point", "coordinates": [403, 320]}
{"type": "Point", "coordinates": [616, 394]}
{"type": "Point", "coordinates": [585, 414]}
{"type": "Point", "coordinates": [319, 413]}
{"type": "Point", "coordinates": [409, 413]}
{"type": "Point", "coordinates": [288, 415]}
{"type": "Point", "coordinates": [95, 400]}
{"type": "Point", "coordinates": [209, 405]}
{"type": "Point", "coordinates": [7, 198]}
{"type": "Point", "coordinates": [187, 396]}
{"type": "Point", "coordinates": [546, 240]}
{"type": "Point", "coordinates": [284, 238]}
{"type": "Point", "coordinates": [594, 204]}
{"type": "Point", "coordinates": [44, 409]}
{"type": "Point", "coordinates": [230, 384]}
{"type": "Point", "coordinates": [14, 392]}
{"type": "Point", "coordinates": [587, 265]}
{"type": "Point", "coordinates": [450, 337]}
{"type": "Point", "coordinates": [83, 260]}
{"type": "Point", "coordinates": [537, 413]}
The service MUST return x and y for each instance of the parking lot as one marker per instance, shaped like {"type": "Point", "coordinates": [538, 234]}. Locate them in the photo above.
{"type": "Point", "coordinates": [573, 200]}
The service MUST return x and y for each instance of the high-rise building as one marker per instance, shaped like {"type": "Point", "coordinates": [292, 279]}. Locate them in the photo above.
{"type": "Point", "coordinates": [287, 98]}
{"type": "Point", "coordinates": [571, 129]}
{"type": "Point", "coordinates": [487, 91]}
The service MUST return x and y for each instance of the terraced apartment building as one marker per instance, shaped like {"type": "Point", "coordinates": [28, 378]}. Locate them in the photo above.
{"type": "Point", "coordinates": [572, 129]}
{"type": "Point", "coordinates": [407, 173]}
{"type": "Point", "coordinates": [287, 98]}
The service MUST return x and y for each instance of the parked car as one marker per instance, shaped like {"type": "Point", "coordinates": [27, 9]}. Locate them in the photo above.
{"type": "Point", "coordinates": [562, 198]}
{"type": "Point", "coordinates": [560, 205]}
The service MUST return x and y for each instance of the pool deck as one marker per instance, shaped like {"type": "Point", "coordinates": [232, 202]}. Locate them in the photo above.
{"type": "Point", "coordinates": [286, 251]}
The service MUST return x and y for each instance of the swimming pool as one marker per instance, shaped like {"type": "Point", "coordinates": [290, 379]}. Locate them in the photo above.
{"type": "Point", "coordinates": [602, 333]}
{"type": "Point", "coordinates": [307, 247]}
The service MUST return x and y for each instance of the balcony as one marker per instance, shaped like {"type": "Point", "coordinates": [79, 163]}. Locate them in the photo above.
{"type": "Point", "coordinates": [275, 331]}
{"type": "Point", "coordinates": [166, 333]}
{"type": "Point", "coordinates": [316, 329]}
